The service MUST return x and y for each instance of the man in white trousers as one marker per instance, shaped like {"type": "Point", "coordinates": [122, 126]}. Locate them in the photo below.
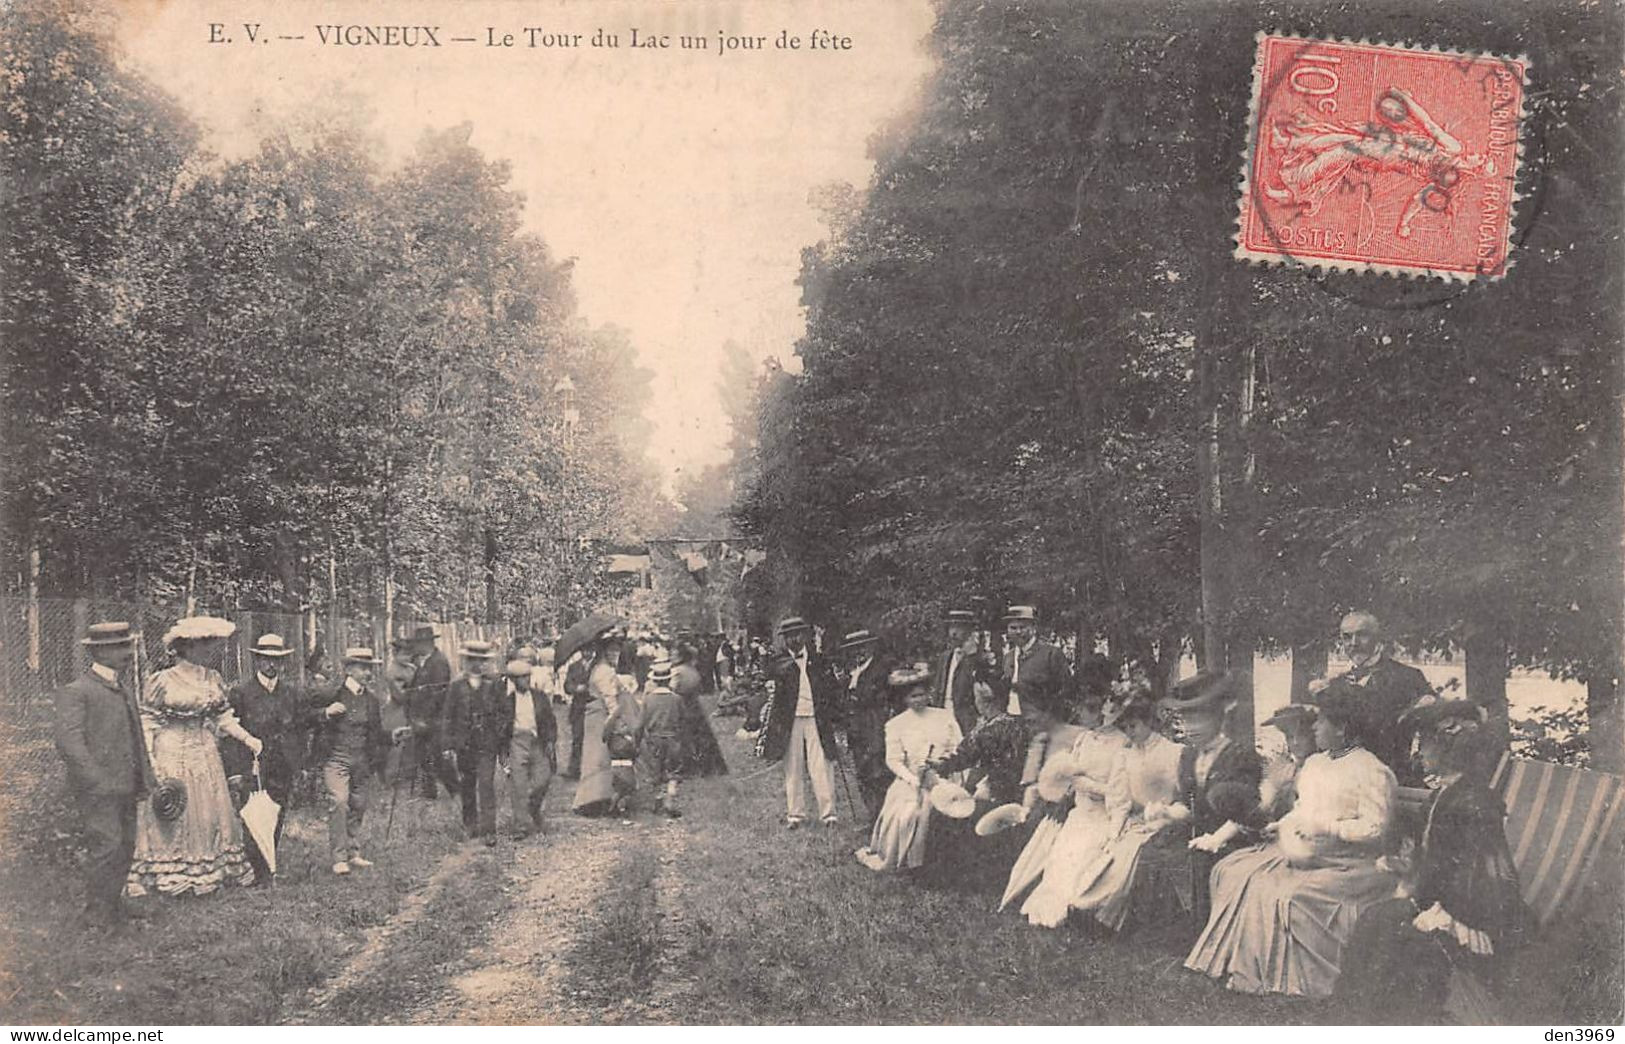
{"type": "Point", "coordinates": [802, 723]}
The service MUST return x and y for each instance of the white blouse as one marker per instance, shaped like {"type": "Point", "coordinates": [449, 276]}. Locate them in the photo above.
{"type": "Point", "coordinates": [915, 737]}
{"type": "Point", "coordinates": [1348, 799]}
{"type": "Point", "coordinates": [1145, 775]}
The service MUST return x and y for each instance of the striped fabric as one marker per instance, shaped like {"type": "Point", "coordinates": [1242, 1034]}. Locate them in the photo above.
{"type": "Point", "coordinates": [1562, 822]}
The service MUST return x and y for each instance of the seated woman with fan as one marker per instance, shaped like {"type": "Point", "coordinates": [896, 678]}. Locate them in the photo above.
{"type": "Point", "coordinates": [913, 739]}
{"type": "Point", "coordinates": [1283, 912]}
{"type": "Point", "coordinates": [1458, 910]}
{"type": "Point", "coordinates": [1147, 823]}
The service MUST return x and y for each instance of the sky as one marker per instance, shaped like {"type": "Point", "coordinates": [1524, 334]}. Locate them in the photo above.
{"type": "Point", "coordinates": [677, 179]}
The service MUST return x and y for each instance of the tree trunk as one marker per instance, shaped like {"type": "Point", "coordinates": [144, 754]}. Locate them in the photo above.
{"type": "Point", "coordinates": [490, 575]}
{"type": "Point", "coordinates": [33, 604]}
{"type": "Point", "coordinates": [1485, 659]}
{"type": "Point", "coordinates": [1240, 656]}
{"type": "Point", "coordinates": [1308, 663]}
{"type": "Point", "coordinates": [1603, 722]}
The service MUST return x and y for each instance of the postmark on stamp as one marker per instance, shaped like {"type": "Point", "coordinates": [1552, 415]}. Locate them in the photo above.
{"type": "Point", "coordinates": [1375, 158]}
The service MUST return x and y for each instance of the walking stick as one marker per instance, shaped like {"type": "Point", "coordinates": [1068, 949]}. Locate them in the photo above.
{"type": "Point", "coordinates": [846, 787]}
{"type": "Point", "coordinates": [394, 795]}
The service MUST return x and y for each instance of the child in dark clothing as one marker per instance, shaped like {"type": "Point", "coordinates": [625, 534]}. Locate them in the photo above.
{"type": "Point", "coordinates": [659, 738]}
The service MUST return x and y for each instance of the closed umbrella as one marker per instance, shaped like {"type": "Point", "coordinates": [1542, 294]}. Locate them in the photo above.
{"type": "Point", "coordinates": [581, 633]}
{"type": "Point", "coordinates": [259, 815]}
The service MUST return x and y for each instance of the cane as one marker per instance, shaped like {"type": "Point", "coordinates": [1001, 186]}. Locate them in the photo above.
{"type": "Point", "coordinates": [846, 787]}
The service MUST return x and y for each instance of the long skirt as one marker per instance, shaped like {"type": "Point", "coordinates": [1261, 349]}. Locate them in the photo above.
{"type": "Point", "coordinates": [1030, 864]}
{"type": "Point", "coordinates": [202, 848]}
{"type": "Point", "coordinates": [900, 831]}
{"type": "Point", "coordinates": [1079, 847]}
{"type": "Point", "coordinates": [702, 754]}
{"type": "Point", "coordinates": [595, 794]}
{"type": "Point", "coordinates": [1107, 884]}
{"type": "Point", "coordinates": [1277, 928]}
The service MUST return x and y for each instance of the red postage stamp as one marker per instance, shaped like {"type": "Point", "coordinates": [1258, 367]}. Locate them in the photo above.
{"type": "Point", "coordinates": [1374, 158]}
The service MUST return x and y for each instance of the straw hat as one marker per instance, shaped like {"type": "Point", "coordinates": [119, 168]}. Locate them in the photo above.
{"type": "Point", "coordinates": [197, 628]}
{"type": "Point", "coordinates": [475, 649]}
{"type": "Point", "coordinates": [271, 645]}
{"type": "Point", "coordinates": [361, 654]}
{"type": "Point", "coordinates": [1001, 819]}
{"type": "Point", "coordinates": [518, 668]}
{"type": "Point", "coordinates": [952, 800]}
{"type": "Point", "coordinates": [1021, 612]}
{"type": "Point", "coordinates": [114, 633]}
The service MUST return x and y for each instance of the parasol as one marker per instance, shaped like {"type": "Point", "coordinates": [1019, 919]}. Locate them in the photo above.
{"type": "Point", "coordinates": [259, 815]}
{"type": "Point", "coordinates": [582, 632]}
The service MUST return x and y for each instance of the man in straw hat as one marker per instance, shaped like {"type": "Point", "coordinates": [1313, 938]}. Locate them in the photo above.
{"type": "Point", "coordinates": [98, 733]}
{"type": "Point", "coordinates": [955, 673]}
{"type": "Point", "coordinates": [472, 730]}
{"type": "Point", "coordinates": [425, 697]}
{"type": "Point", "coordinates": [532, 743]}
{"type": "Point", "coordinates": [350, 747]}
{"type": "Point", "coordinates": [869, 705]}
{"type": "Point", "coordinates": [268, 705]}
{"type": "Point", "coordinates": [801, 724]}
{"type": "Point", "coordinates": [1039, 667]}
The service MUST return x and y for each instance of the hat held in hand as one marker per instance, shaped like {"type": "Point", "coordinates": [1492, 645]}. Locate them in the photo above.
{"type": "Point", "coordinates": [169, 799]}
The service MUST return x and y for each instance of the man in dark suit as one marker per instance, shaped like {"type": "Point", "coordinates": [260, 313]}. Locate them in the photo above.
{"type": "Point", "coordinates": [1039, 666]}
{"type": "Point", "coordinates": [351, 747]}
{"type": "Point", "coordinates": [868, 708]}
{"type": "Point", "coordinates": [472, 728]}
{"type": "Point", "coordinates": [425, 697]}
{"type": "Point", "coordinates": [99, 735]}
{"type": "Point", "coordinates": [269, 706]}
{"type": "Point", "coordinates": [575, 688]}
{"type": "Point", "coordinates": [955, 670]}
{"type": "Point", "coordinates": [802, 722]}
{"type": "Point", "coordinates": [1389, 688]}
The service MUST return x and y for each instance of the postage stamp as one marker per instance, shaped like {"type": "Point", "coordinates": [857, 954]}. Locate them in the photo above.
{"type": "Point", "coordinates": [1375, 158]}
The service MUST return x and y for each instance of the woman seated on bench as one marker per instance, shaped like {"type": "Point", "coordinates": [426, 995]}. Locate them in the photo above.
{"type": "Point", "coordinates": [1459, 907]}
{"type": "Point", "coordinates": [1282, 912]}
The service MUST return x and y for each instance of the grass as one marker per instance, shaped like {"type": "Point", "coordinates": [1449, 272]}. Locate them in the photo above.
{"type": "Point", "coordinates": [239, 956]}
{"type": "Point", "coordinates": [786, 927]}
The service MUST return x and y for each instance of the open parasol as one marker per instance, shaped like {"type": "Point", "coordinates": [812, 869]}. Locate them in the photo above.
{"type": "Point", "coordinates": [581, 633]}
{"type": "Point", "coordinates": [259, 816]}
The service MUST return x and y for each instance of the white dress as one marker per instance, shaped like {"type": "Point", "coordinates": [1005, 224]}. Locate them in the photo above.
{"type": "Point", "coordinates": [1035, 853]}
{"type": "Point", "coordinates": [913, 738]}
{"type": "Point", "coordinates": [1146, 775]}
{"type": "Point", "coordinates": [1081, 842]}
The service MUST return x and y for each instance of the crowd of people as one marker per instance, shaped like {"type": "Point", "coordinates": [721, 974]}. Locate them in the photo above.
{"type": "Point", "coordinates": [1363, 856]}
{"type": "Point", "coordinates": [161, 776]}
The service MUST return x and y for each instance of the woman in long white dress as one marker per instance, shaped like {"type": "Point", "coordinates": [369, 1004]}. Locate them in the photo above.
{"type": "Point", "coordinates": [1144, 809]}
{"type": "Point", "coordinates": [914, 738]}
{"type": "Point", "coordinates": [184, 713]}
{"type": "Point", "coordinates": [1282, 912]}
{"type": "Point", "coordinates": [1052, 740]}
{"type": "Point", "coordinates": [1080, 843]}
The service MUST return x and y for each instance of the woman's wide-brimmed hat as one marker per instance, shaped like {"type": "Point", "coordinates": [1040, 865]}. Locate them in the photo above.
{"type": "Point", "coordinates": [197, 628]}
{"type": "Point", "coordinates": [1204, 693]}
{"type": "Point", "coordinates": [952, 800]}
{"type": "Point", "coordinates": [908, 677]}
{"type": "Point", "coordinates": [1292, 717]}
{"type": "Point", "coordinates": [169, 799]}
{"type": "Point", "coordinates": [271, 645]}
{"type": "Point", "coordinates": [860, 637]}
{"type": "Point", "coordinates": [1001, 819]}
{"type": "Point", "coordinates": [111, 633]}
{"type": "Point", "coordinates": [1444, 716]}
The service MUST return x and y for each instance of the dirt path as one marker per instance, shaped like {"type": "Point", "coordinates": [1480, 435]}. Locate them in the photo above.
{"type": "Point", "coordinates": [529, 962]}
